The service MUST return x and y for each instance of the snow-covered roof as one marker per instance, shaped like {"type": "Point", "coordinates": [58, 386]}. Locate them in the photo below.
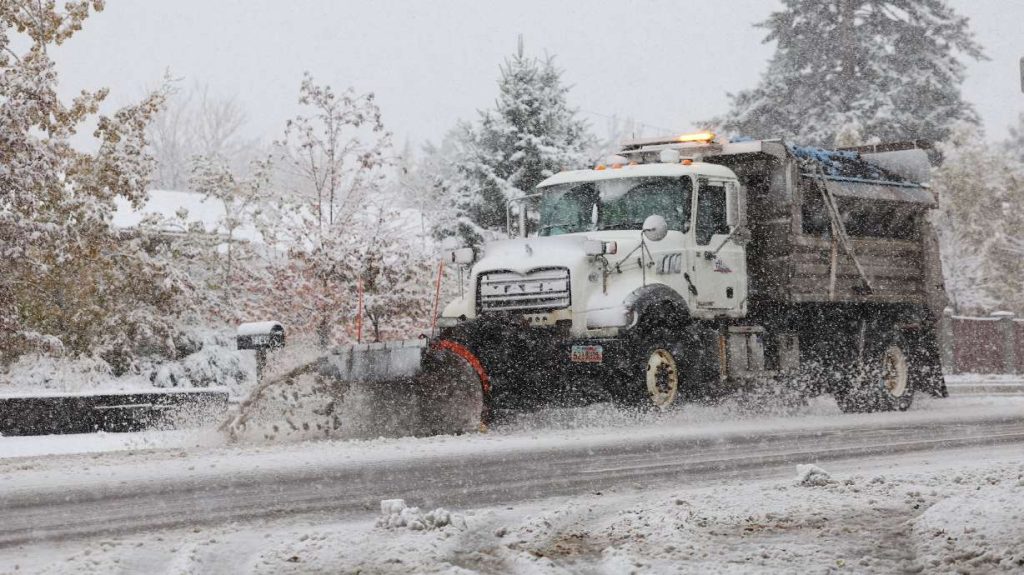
{"type": "Point", "coordinates": [207, 212]}
{"type": "Point", "coordinates": [639, 171]}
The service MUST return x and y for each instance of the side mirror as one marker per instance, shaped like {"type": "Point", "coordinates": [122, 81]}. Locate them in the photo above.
{"type": "Point", "coordinates": [655, 228]}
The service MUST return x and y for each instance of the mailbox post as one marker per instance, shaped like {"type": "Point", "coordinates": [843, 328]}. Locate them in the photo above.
{"type": "Point", "coordinates": [260, 336]}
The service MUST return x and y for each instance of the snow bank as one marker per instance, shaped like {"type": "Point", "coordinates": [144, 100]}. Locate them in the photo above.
{"type": "Point", "coordinates": [37, 445]}
{"type": "Point", "coordinates": [216, 363]}
{"type": "Point", "coordinates": [812, 476]}
{"type": "Point", "coordinates": [396, 514]}
{"type": "Point", "coordinates": [940, 513]}
{"type": "Point", "coordinates": [980, 531]}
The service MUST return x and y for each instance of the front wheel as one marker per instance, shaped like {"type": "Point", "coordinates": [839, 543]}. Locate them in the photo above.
{"type": "Point", "coordinates": [661, 377]}
{"type": "Point", "coordinates": [654, 373]}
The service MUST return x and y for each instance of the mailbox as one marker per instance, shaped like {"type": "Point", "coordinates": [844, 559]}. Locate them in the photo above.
{"type": "Point", "coordinates": [260, 335]}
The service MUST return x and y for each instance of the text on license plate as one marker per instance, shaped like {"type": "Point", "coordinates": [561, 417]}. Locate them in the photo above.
{"type": "Point", "coordinates": [587, 354]}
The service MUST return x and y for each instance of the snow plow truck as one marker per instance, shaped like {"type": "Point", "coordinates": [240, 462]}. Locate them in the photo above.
{"type": "Point", "coordinates": [685, 269]}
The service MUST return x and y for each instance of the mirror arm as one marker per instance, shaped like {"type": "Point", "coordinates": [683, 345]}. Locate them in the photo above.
{"type": "Point", "coordinates": [735, 231]}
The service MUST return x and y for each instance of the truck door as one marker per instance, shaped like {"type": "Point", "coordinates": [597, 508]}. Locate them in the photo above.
{"type": "Point", "coordinates": [719, 265]}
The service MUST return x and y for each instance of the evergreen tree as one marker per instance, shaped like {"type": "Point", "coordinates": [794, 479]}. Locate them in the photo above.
{"type": "Point", "coordinates": [891, 68]}
{"type": "Point", "coordinates": [530, 134]}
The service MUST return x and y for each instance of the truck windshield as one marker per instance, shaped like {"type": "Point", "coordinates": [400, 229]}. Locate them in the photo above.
{"type": "Point", "coordinates": [619, 204]}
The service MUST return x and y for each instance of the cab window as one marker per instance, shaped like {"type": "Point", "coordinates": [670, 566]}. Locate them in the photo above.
{"type": "Point", "coordinates": [712, 212]}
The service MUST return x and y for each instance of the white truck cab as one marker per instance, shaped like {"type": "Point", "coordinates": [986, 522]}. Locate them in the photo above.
{"type": "Point", "coordinates": [596, 250]}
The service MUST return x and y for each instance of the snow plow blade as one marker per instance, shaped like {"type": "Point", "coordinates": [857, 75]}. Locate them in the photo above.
{"type": "Point", "coordinates": [439, 384]}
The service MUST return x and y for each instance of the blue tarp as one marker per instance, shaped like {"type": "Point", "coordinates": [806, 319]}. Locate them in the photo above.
{"type": "Point", "coordinates": [844, 164]}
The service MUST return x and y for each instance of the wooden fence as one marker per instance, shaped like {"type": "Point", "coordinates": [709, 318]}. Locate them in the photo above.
{"type": "Point", "coordinates": [993, 344]}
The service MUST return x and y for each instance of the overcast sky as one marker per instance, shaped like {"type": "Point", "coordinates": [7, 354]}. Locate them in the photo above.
{"type": "Point", "coordinates": [663, 63]}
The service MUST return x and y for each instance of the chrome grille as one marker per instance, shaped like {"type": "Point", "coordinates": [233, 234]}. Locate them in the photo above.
{"type": "Point", "coordinates": [537, 290]}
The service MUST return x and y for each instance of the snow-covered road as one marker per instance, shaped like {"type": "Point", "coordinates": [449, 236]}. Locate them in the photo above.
{"type": "Point", "coordinates": [86, 495]}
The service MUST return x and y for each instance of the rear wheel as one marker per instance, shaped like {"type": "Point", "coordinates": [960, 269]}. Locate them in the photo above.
{"type": "Point", "coordinates": [887, 378]}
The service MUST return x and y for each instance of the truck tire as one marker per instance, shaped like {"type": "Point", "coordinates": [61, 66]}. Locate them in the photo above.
{"type": "Point", "coordinates": [886, 380]}
{"type": "Point", "coordinates": [655, 375]}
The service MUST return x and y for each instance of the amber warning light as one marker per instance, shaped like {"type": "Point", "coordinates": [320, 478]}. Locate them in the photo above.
{"type": "Point", "coordinates": [697, 137]}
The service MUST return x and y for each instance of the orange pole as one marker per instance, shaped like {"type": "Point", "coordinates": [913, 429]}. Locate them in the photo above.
{"type": "Point", "coordinates": [437, 297]}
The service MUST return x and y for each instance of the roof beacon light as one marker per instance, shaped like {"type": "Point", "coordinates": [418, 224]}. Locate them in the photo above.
{"type": "Point", "coordinates": [697, 137]}
{"type": "Point", "coordinates": [669, 156]}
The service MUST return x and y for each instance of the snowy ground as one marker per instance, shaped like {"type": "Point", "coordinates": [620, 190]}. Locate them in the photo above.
{"type": "Point", "coordinates": [938, 512]}
{"type": "Point", "coordinates": [705, 489]}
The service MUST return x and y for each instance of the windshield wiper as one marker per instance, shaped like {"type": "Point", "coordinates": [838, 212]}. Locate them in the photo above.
{"type": "Point", "coordinates": [568, 225]}
{"type": "Point", "coordinates": [624, 226]}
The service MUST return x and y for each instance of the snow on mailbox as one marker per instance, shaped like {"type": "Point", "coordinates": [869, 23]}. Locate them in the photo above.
{"type": "Point", "coordinates": [260, 335]}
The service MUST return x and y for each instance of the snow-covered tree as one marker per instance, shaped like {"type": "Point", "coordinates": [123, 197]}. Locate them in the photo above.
{"type": "Point", "coordinates": [529, 134]}
{"type": "Point", "coordinates": [893, 68]}
{"type": "Point", "coordinates": [436, 183]}
{"type": "Point", "coordinates": [1014, 144]}
{"type": "Point", "coordinates": [1007, 261]}
{"type": "Point", "coordinates": [195, 123]}
{"type": "Point", "coordinates": [396, 275]}
{"type": "Point", "coordinates": [979, 188]}
{"type": "Point", "coordinates": [335, 159]}
{"type": "Point", "coordinates": [245, 201]}
{"type": "Point", "coordinates": [617, 131]}
{"type": "Point", "coordinates": [70, 282]}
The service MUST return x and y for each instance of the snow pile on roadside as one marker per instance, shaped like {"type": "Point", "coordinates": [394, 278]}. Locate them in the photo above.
{"type": "Point", "coordinates": [396, 514]}
{"type": "Point", "coordinates": [38, 372]}
{"type": "Point", "coordinates": [812, 476]}
{"type": "Point", "coordinates": [100, 442]}
{"type": "Point", "coordinates": [217, 363]}
{"type": "Point", "coordinates": [976, 532]}
{"type": "Point", "coordinates": [855, 522]}
{"type": "Point", "coordinates": [207, 359]}
{"type": "Point", "coordinates": [956, 511]}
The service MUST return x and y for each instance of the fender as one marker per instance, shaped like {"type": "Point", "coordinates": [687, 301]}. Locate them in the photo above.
{"type": "Point", "coordinates": [651, 295]}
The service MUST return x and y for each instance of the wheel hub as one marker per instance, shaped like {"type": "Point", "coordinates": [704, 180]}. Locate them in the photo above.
{"type": "Point", "coordinates": [894, 371]}
{"type": "Point", "coordinates": [662, 378]}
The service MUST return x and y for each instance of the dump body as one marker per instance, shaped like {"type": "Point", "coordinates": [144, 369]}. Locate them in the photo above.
{"type": "Point", "coordinates": [790, 255]}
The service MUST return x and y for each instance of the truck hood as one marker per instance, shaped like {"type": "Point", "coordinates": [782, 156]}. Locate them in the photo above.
{"type": "Point", "coordinates": [524, 254]}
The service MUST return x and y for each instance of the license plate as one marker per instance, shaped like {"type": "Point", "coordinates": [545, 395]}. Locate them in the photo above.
{"type": "Point", "coordinates": [260, 339]}
{"type": "Point", "coordinates": [587, 354]}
